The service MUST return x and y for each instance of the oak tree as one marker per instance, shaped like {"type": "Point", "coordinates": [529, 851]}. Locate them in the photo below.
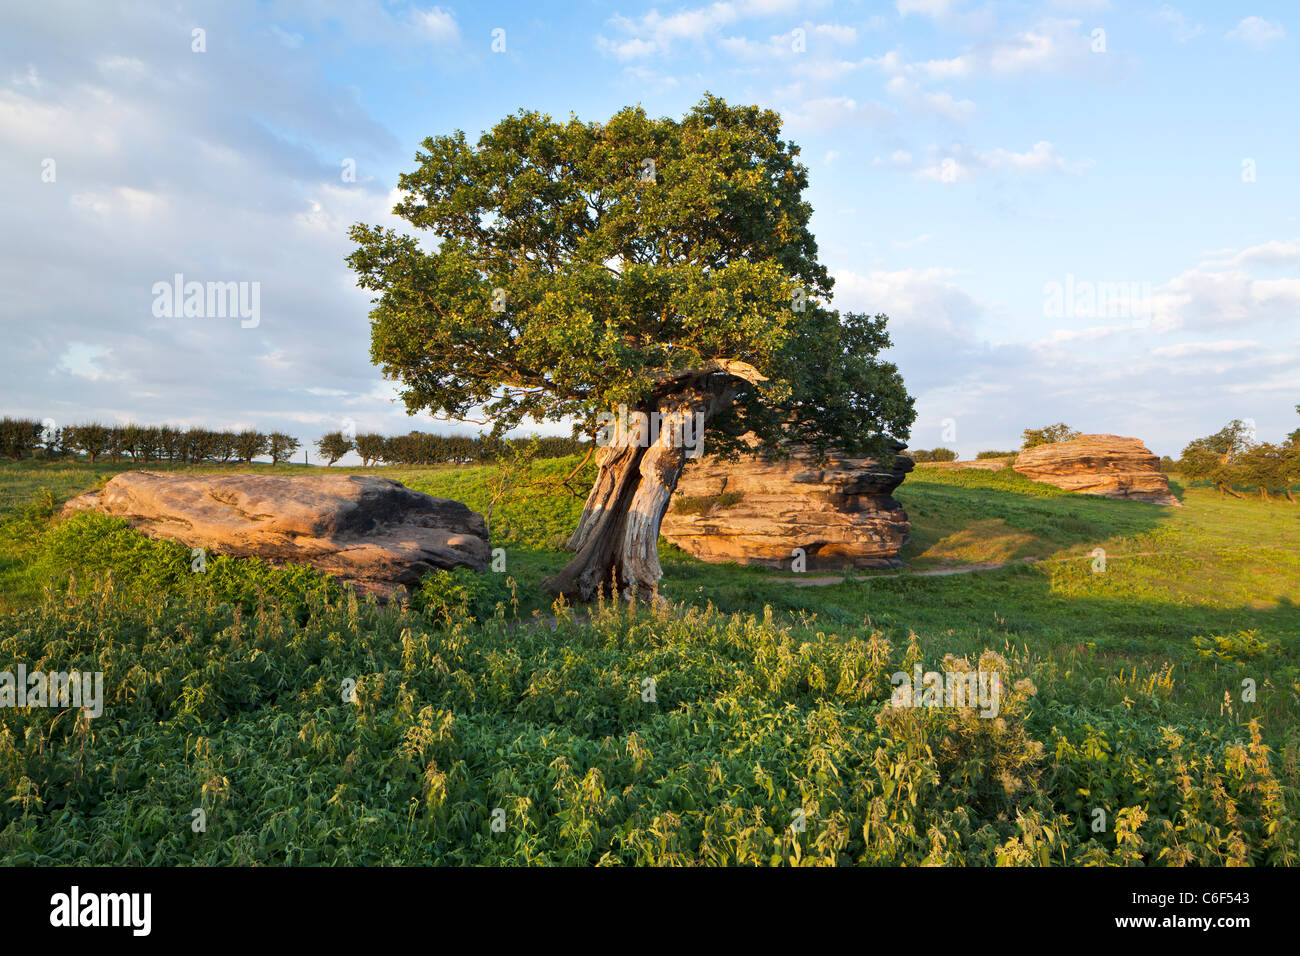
{"type": "Point", "coordinates": [565, 269]}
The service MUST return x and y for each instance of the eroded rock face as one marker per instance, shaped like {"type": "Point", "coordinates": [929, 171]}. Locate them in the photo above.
{"type": "Point", "coordinates": [374, 532]}
{"type": "Point", "coordinates": [757, 511]}
{"type": "Point", "coordinates": [1107, 465]}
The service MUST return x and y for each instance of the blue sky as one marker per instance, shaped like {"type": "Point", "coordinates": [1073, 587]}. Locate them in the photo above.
{"type": "Point", "coordinates": [964, 157]}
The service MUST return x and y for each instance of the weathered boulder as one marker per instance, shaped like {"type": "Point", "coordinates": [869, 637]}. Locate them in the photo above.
{"type": "Point", "coordinates": [374, 532]}
{"type": "Point", "coordinates": [757, 511]}
{"type": "Point", "coordinates": [1108, 465]}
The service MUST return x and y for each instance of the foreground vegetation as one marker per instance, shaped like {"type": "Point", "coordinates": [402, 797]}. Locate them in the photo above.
{"type": "Point", "coordinates": [745, 723]}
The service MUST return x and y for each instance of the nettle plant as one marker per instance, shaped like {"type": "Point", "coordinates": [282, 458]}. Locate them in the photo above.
{"type": "Point", "coordinates": [660, 264]}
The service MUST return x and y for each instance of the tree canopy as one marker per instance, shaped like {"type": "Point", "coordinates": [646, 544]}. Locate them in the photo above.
{"type": "Point", "coordinates": [659, 264]}
{"type": "Point", "coordinates": [1233, 457]}
{"type": "Point", "coordinates": [1033, 437]}
{"type": "Point", "coordinates": [583, 265]}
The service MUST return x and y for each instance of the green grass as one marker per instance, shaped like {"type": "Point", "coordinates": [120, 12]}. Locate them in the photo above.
{"type": "Point", "coordinates": [224, 695]}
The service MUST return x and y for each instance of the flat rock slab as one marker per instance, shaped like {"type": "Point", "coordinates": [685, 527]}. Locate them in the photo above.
{"type": "Point", "coordinates": [1109, 465]}
{"type": "Point", "coordinates": [757, 511]}
{"type": "Point", "coordinates": [374, 532]}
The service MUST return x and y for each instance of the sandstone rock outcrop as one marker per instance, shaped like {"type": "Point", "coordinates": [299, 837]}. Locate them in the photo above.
{"type": "Point", "coordinates": [757, 511]}
{"type": "Point", "coordinates": [1107, 465]}
{"type": "Point", "coordinates": [374, 532]}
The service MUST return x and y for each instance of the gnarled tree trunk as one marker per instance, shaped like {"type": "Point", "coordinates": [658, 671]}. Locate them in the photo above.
{"type": "Point", "coordinates": [616, 541]}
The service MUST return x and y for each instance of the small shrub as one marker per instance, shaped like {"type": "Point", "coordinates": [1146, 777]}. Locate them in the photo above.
{"type": "Point", "coordinates": [1234, 648]}
{"type": "Point", "coordinates": [461, 595]}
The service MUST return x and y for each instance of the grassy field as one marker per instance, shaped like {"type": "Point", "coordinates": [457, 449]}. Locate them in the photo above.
{"type": "Point", "coordinates": [492, 727]}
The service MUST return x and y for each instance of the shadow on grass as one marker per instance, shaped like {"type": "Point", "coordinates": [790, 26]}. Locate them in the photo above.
{"type": "Point", "coordinates": [986, 523]}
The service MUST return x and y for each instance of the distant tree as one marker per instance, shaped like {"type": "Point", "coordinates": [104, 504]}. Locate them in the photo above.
{"type": "Point", "coordinates": [1218, 458]}
{"type": "Point", "coordinates": [995, 454]}
{"type": "Point", "coordinates": [128, 441]}
{"type": "Point", "coordinates": [249, 444]}
{"type": "Point", "coordinates": [370, 447]}
{"type": "Point", "coordinates": [932, 454]}
{"type": "Point", "coordinates": [171, 443]}
{"type": "Point", "coordinates": [1033, 437]}
{"type": "Point", "coordinates": [1269, 467]}
{"type": "Point", "coordinates": [1167, 464]}
{"type": "Point", "coordinates": [1230, 440]}
{"type": "Point", "coordinates": [223, 445]}
{"type": "Point", "coordinates": [19, 437]}
{"type": "Point", "coordinates": [281, 446]}
{"type": "Point", "coordinates": [94, 439]}
{"type": "Point", "coordinates": [199, 444]}
{"type": "Point", "coordinates": [115, 437]}
{"type": "Point", "coordinates": [333, 446]}
{"type": "Point", "coordinates": [150, 443]}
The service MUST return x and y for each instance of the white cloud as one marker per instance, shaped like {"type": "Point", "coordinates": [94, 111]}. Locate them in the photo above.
{"type": "Point", "coordinates": [836, 33]}
{"type": "Point", "coordinates": [1225, 291]}
{"type": "Point", "coordinates": [958, 163]}
{"type": "Point", "coordinates": [1161, 384]}
{"type": "Point", "coordinates": [1091, 333]}
{"type": "Point", "coordinates": [631, 49]}
{"type": "Point", "coordinates": [1275, 251]}
{"type": "Point", "coordinates": [1205, 348]}
{"type": "Point", "coordinates": [654, 33]}
{"type": "Point", "coordinates": [437, 24]}
{"type": "Point", "coordinates": [1081, 6]}
{"type": "Point", "coordinates": [912, 243]}
{"type": "Point", "coordinates": [1257, 32]}
{"type": "Point", "coordinates": [829, 112]}
{"type": "Point", "coordinates": [1049, 46]}
{"type": "Point", "coordinates": [121, 64]}
{"type": "Point", "coordinates": [84, 361]}
{"type": "Point", "coordinates": [936, 9]}
{"type": "Point", "coordinates": [1179, 26]}
{"type": "Point", "coordinates": [939, 104]}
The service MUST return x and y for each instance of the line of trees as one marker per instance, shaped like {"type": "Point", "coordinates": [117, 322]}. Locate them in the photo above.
{"type": "Point", "coordinates": [933, 454]}
{"type": "Point", "coordinates": [26, 438]}
{"type": "Point", "coordinates": [1231, 458]}
{"type": "Point", "coordinates": [422, 448]}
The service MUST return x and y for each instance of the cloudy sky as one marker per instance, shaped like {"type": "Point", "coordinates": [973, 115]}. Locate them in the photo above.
{"type": "Point", "coordinates": [1072, 210]}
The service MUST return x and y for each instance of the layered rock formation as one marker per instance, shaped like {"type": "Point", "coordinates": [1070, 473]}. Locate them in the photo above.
{"type": "Point", "coordinates": [757, 511]}
{"type": "Point", "coordinates": [1108, 465]}
{"type": "Point", "coordinates": [374, 532]}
